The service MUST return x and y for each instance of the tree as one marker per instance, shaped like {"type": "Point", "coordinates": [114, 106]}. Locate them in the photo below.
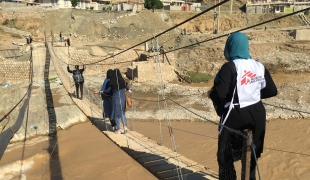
{"type": "Point", "coordinates": [153, 4]}
{"type": "Point", "coordinates": [74, 3]}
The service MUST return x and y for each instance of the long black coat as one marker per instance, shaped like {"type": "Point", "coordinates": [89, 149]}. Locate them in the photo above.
{"type": "Point", "coordinates": [251, 117]}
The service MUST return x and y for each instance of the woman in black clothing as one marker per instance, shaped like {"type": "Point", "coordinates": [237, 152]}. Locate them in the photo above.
{"type": "Point", "coordinates": [238, 89]}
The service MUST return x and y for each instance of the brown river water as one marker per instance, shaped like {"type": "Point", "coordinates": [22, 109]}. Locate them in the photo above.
{"type": "Point", "coordinates": [83, 152]}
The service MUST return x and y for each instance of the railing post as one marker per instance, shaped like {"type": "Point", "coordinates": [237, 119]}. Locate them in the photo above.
{"type": "Point", "coordinates": [246, 155]}
{"type": "Point", "coordinates": [52, 38]}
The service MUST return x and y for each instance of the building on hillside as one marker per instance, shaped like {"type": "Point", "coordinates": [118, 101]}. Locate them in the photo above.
{"type": "Point", "coordinates": [130, 5]}
{"type": "Point", "coordinates": [115, 5]}
{"type": "Point", "coordinates": [180, 5]}
{"type": "Point", "coordinates": [275, 6]}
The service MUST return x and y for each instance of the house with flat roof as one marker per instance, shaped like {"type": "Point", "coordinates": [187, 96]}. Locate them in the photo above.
{"type": "Point", "coordinates": [180, 5]}
{"type": "Point", "coordinates": [275, 6]}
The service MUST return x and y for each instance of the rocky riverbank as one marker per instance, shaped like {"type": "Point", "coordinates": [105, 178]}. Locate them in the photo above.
{"type": "Point", "coordinates": [292, 101]}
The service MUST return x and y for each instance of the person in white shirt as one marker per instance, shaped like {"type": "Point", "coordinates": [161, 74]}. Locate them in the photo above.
{"type": "Point", "coordinates": [238, 88]}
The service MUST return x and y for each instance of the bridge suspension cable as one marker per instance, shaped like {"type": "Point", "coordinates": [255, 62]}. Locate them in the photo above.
{"type": "Point", "coordinates": [193, 44]}
{"type": "Point", "coordinates": [159, 34]}
{"type": "Point", "coordinates": [242, 29]}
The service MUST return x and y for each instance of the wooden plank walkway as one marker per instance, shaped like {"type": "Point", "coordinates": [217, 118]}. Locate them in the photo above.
{"type": "Point", "coordinates": [164, 163]}
{"type": "Point", "coordinates": [159, 160]}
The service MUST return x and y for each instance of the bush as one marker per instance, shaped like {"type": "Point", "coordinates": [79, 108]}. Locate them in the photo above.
{"type": "Point", "coordinates": [10, 23]}
{"type": "Point", "coordinates": [74, 3]}
{"type": "Point", "coordinates": [91, 8]}
{"type": "Point", "coordinates": [197, 77]}
{"type": "Point", "coordinates": [153, 4]}
{"type": "Point", "coordinates": [103, 9]}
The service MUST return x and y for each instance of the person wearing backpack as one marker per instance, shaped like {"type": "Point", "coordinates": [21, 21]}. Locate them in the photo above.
{"type": "Point", "coordinates": [78, 79]}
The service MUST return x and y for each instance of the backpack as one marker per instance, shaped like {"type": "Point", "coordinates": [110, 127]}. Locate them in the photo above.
{"type": "Point", "coordinates": [78, 77]}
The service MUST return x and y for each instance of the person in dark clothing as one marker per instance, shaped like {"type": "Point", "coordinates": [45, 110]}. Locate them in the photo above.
{"type": "Point", "coordinates": [236, 94]}
{"type": "Point", "coordinates": [30, 39]}
{"type": "Point", "coordinates": [78, 79]}
{"type": "Point", "coordinates": [117, 86]}
{"type": "Point", "coordinates": [107, 98]}
{"type": "Point", "coordinates": [60, 37]}
{"type": "Point", "coordinates": [68, 41]}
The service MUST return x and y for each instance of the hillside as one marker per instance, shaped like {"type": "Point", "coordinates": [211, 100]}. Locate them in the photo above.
{"type": "Point", "coordinates": [123, 29]}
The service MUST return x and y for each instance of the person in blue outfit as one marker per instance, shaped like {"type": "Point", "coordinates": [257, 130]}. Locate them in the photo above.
{"type": "Point", "coordinates": [118, 85]}
{"type": "Point", "coordinates": [107, 98]}
{"type": "Point", "coordinates": [236, 94]}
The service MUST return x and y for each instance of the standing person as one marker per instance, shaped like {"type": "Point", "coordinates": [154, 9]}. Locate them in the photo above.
{"type": "Point", "coordinates": [78, 79]}
{"type": "Point", "coordinates": [107, 98]}
{"type": "Point", "coordinates": [60, 37]}
{"type": "Point", "coordinates": [238, 89]}
{"type": "Point", "coordinates": [30, 39]}
{"type": "Point", "coordinates": [68, 41]}
{"type": "Point", "coordinates": [117, 86]}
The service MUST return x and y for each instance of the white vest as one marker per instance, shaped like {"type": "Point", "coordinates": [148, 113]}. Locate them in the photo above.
{"type": "Point", "coordinates": [250, 81]}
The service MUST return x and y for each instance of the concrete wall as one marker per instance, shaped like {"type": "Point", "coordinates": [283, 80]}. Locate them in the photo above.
{"type": "Point", "coordinates": [254, 9]}
{"type": "Point", "coordinates": [95, 5]}
{"type": "Point", "coordinates": [63, 4]}
{"type": "Point", "coordinates": [297, 8]}
{"type": "Point", "coordinates": [250, 9]}
{"type": "Point", "coordinates": [11, 71]}
{"type": "Point", "coordinates": [302, 34]}
{"type": "Point", "coordinates": [148, 70]}
{"type": "Point", "coordinates": [127, 6]}
{"type": "Point", "coordinates": [258, 9]}
{"type": "Point", "coordinates": [175, 8]}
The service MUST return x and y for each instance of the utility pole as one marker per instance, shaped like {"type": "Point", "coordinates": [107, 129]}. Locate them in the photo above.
{"type": "Point", "coordinates": [214, 19]}
{"type": "Point", "coordinates": [231, 5]}
{"type": "Point", "coordinates": [218, 19]}
{"type": "Point", "coordinates": [214, 22]}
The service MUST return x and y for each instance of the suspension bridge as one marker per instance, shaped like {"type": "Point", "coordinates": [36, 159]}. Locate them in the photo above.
{"type": "Point", "coordinates": [160, 145]}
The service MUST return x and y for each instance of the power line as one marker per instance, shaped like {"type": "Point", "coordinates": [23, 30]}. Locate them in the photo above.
{"type": "Point", "coordinates": [199, 42]}
{"type": "Point", "coordinates": [265, 22]}
{"type": "Point", "coordinates": [287, 108]}
{"type": "Point", "coordinates": [185, 21]}
{"type": "Point", "coordinates": [191, 111]}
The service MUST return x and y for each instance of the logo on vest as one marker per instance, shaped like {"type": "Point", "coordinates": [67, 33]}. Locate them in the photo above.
{"type": "Point", "coordinates": [250, 77]}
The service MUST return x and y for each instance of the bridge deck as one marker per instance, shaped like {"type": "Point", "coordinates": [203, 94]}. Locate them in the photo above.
{"type": "Point", "coordinates": [161, 161]}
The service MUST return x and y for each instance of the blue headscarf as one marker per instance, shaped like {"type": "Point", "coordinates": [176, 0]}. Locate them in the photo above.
{"type": "Point", "coordinates": [236, 47]}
